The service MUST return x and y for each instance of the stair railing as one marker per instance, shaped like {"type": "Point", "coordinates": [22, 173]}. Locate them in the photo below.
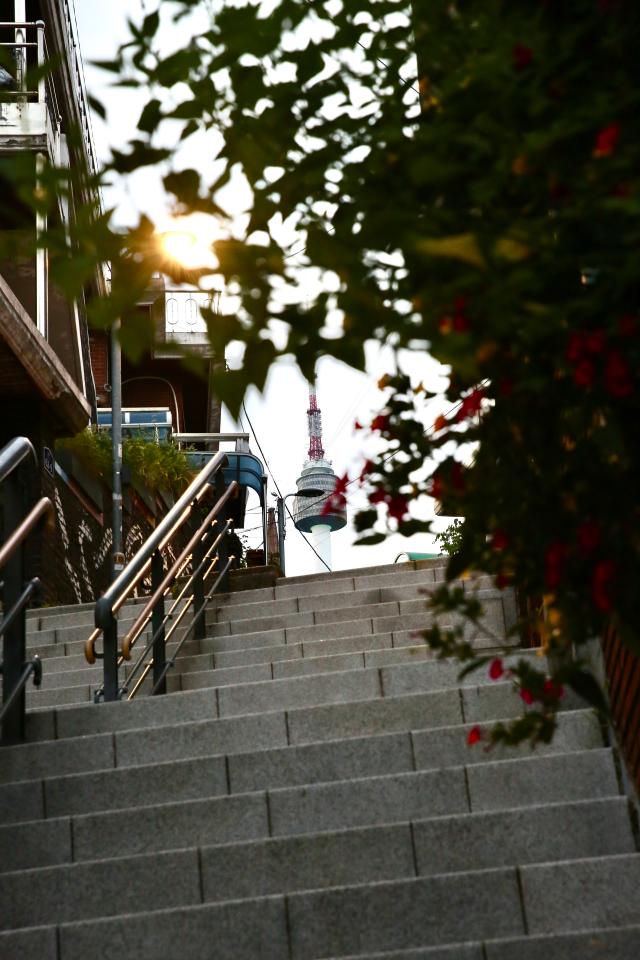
{"type": "Point", "coordinates": [205, 553]}
{"type": "Point", "coordinates": [16, 593]}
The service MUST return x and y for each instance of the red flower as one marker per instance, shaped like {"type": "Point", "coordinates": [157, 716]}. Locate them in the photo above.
{"type": "Point", "coordinates": [341, 483]}
{"type": "Point", "coordinates": [460, 318]}
{"type": "Point", "coordinates": [527, 696]}
{"type": "Point", "coordinates": [398, 507]}
{"type": "Point", "coordinates": [366, 469]}
{"type": "Point", "coordinates": [470, 405]}
{"type": "Point", "coordinates": [377, 496]}
{"type": "Point", "coordinates": [496, 669]}
{"type": "Point", "coordinates": [617, 375]}
{"type": "Point", "coordinates": [457, 477]}
{"type": "Point", "coordinates": [437, 487]}
{"type": "Point", "coordinates": [522, 56]}
{"type": "Point", "coordinates": [584, 373]}
{"type": "Point", "coordinates": [554, 562]}
{"type": "Point", "coordinates": [575, 347]}
{"type": "Point", "coordinates": [588, 536]}
{"type": "Point", "coordinates": [595, 341]}
{"type": "Point", "coordinates": [502, 580]}
{"type": "Point", "coordinates": [380, 422]}
{"type": "Point", "coordinates": [475, 735]}
{"type": "Point", "coordinates": [552, 690]}
{"type": "Point", "coordinates": [603, 575]}
{"type": "Point", "coordinates": [440, 423]}
{"type": "Point", "coordinates": [357, 425]}
{"type": "Point", "coordinates": [500, 540]}
{"type": "Point", "coordinates": [628, 326]}
{"type": "Point", "coordinates": [607, 140]}
{"type": "Point", "coordinates": [334, 503]}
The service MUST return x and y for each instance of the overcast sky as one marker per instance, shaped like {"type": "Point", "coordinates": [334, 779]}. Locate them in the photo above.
{"type": "Point", "coordinates": [279, 415]}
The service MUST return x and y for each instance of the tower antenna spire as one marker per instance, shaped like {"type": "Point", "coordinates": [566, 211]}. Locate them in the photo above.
{"type": "Point", "coordinates": [314, 420]}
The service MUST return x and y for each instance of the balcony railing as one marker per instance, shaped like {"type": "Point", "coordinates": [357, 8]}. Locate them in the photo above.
{"type": "Point", "coordinates": [31, 36]}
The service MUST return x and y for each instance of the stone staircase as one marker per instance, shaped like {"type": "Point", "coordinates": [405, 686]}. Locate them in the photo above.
{"type": "Point", "coordinates": [306, 792]}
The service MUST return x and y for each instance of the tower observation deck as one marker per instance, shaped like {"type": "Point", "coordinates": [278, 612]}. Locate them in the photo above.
{"type": "Point", "coordinates": [322, 515]}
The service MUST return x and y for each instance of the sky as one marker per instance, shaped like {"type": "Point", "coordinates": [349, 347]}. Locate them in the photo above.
{"type": "Point", "coordinates": [278, 416]}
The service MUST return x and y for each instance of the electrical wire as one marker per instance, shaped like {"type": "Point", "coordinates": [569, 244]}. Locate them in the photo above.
{"type": "Point", "coordinates": [395, 453]}
{"type": "Point", "coordinates": [275, 483]}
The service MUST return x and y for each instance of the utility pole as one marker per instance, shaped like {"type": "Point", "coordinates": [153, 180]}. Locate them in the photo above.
{"type": "Point", "coordinates": [116, 446]}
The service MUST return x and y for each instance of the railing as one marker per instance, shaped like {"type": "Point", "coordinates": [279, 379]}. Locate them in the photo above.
{"type": "Point", "coordinates": [45, 91]}
{"type": "Point", "coordinates": [16, 593]}
{"type": "Point", "coordinates": [204, 555]}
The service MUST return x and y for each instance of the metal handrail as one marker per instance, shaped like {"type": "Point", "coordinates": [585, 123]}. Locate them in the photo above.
{"type": "Point", "coordinates": [34, 666]}
{"type": "Point", "coordinates": [118, 591]}
{"type": "Point", "coordinates": [10, 618]}
{"type": "Point", "coordinates": [22, 531]}
{"type": "Point", "coordinates": [14, 453]}
{"type": "Point", "coordinates": [150, 556]}
{"type": "Point", "coordinates": [145, 614]}
{"type": "Point", "coordinates": [16, 670]}
{"type": "Point", "coordinates": [135, 633]}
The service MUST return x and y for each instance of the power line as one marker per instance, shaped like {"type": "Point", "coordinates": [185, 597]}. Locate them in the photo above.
{"type": "Point", "coordinates": [275, 483]}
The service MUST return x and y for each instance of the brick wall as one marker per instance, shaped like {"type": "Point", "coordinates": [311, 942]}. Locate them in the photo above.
{"type": "Point", "coordinates": [99, 350]}
{"type": "Point", "coordinates": [74, 561]}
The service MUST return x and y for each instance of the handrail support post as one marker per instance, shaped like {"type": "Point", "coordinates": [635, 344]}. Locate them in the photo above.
{"type": "Point", "coordinates": [158, 626]}
{"type": "Point", "coordinates": [199, 615]}
{"type": "Point", "coordinates": [13, 725]}
{"type": "Point", "coordinates": [223, 547]}
{"type": "Point", "coordinates": [111, 689]}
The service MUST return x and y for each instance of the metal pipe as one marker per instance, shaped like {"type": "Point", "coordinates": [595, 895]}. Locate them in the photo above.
{"type": "Point", "coordinates": [23, 530]}
{"type": "Point", "coordinates": [105, 604]}
{"type": "Point", "coordinates": [20, 603]}
{"type": "Point", "coordinates": [281, 533]}
{"type": "Point", "coordinates": [116, 447]}
{"type": "Point", "coordinates": [13, 454]}
{"type": "Point", "coordinates": [20, 13]}
{"type": "Point", "coordinates": [41, 59]}
{"type": "Point", "coordinates": [33, 667]}
{"type": "Point", "coordinates": [42, 260]}
{"type": "Point", "coordinates": [169, 576]}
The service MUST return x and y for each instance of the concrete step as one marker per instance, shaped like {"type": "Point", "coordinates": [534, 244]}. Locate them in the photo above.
{"type": "Point", "coordinates": [311, 925]}
{"type": "Point", "coordinates": [119, 785]}
{"type": "Point", "coordinates": [341, 804]}
{"type": "Point", "coordinates": [276, 865]}
{"type": "Point", "coordinates": [371, 602]}
{"type": "Point", "coordinates": [198, 671]}
{"type": "Point", "coordinates": [620, 943]}
{"type": "Point", "coordinates": [443, 707]}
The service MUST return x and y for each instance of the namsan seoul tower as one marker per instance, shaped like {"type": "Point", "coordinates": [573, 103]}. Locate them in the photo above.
{"type": "Point", "coordinates": [321, 515]}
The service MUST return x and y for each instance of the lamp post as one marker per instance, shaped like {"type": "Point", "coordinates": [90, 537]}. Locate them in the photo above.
{"type": "Point", "coordinates": [280, 501]}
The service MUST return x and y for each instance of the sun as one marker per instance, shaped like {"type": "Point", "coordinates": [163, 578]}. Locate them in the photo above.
{"type": "Point", "coordinates": [188, 240]}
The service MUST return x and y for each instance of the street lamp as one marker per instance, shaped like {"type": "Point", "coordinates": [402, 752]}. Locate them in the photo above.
{"type": "Point", "coordinates": [280, 501]}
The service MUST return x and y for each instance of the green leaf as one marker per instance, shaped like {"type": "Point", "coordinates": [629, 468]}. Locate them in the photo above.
{"type": "Point", "coordinates": [97, 106]}
{"type": "Point", "coordinates": [370, 541]}
{"type": "Point", "coordinates": [150, 116]}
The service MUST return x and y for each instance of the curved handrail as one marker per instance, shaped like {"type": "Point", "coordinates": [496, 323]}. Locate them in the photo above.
{"type": "Point", "coordinates": [144, 614]}
{"type": "Point", "coordinates": [22, 531]}
{"type": "Point", "coordinates": [15, 672]}
{"type": "Point", "coordinates": [13, 454]}
{"type": "Point", "coordinates": [125, 579]}
{"type": "Point", "coordinates": [151, 559]}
